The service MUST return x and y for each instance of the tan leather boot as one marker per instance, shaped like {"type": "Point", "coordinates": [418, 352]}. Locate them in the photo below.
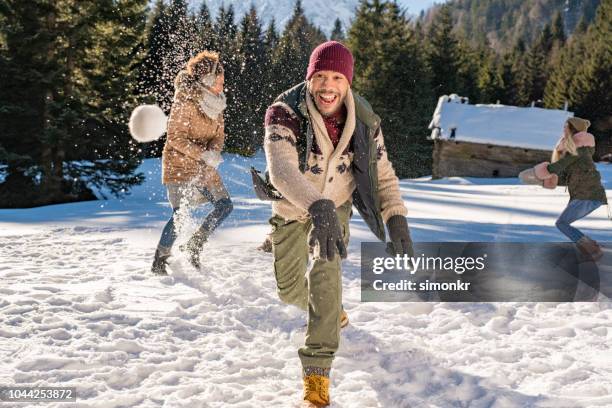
{"type": "Point", "coordinates": [316, 391]}
{"type": "Point", "coordinates": [589, 248]}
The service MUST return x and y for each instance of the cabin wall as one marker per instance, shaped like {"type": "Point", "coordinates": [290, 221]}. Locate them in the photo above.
{"type": "Point", "coordinates": [466, 159]}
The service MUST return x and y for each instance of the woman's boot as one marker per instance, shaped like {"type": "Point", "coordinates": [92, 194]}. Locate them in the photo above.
{"type": "Point", "coordinates": [160, 263]}
{"type": "Point", "coordinates": [589, 248]}
{"type": "Point", "coordinates": [193, 247]}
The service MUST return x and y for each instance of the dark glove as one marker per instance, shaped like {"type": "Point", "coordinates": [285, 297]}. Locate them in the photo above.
{"type": "Point", "coordinates": [401, 243]}
{"type": "Point", "coordinates": [326, 233]}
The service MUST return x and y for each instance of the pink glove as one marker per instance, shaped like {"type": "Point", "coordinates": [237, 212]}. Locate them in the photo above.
{"type": "Point", "coordinates": [551, 182]}
{"type": "Point", "coordinates": [541, 171]}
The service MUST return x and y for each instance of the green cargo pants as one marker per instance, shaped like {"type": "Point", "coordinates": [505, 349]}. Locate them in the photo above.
{"type": "Point", "coordinates": [319, 293]}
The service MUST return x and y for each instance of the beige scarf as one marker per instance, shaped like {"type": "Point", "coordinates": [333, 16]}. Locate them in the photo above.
{"type": "Point", "coordinates": [212, 105]}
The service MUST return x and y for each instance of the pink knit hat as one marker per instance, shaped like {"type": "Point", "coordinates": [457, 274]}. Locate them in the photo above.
{"type": "Point", "coordinates": [331, 56]}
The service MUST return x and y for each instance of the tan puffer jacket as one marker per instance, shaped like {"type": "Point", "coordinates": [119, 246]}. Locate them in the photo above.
{"type": "Point", "coordinates": [190, 134]}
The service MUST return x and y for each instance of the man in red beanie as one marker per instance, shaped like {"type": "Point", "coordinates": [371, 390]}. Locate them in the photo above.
{"type": "Point", "coordinates": [325, 153]}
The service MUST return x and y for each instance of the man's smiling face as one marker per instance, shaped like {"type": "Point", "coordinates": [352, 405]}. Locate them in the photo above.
{"type": "Point", "coordinates": [328, 89]}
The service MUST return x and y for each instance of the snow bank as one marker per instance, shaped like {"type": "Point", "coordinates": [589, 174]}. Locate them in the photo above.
{"type": "Point", "coordinates": [79, 307]}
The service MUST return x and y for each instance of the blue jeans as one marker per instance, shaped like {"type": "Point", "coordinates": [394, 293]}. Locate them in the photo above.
{"type": "Point", "coordinates": [575, 210]}
{"type": "Point", "coordinates": [192, 196]}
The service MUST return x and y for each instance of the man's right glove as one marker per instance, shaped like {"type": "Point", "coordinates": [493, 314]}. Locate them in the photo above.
{"type": "Point", "coordinates": [326, 234]}
{"type": "Point", "coordinates": [401, 243]}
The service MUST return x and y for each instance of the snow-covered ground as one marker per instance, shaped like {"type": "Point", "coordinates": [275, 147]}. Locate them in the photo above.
{"type": "Point", "coordinates": [79, 307]}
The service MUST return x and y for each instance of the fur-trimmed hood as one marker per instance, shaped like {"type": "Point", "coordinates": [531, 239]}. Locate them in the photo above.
{"type": "Point", "coordinates": [187, 86]}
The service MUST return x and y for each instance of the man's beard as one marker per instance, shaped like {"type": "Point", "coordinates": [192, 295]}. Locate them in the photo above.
{"type": "Point", "coordinates": [323, 107]}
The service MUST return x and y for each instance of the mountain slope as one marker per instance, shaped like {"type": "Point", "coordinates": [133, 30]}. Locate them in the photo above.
{"type": "Point", "coordinates": [503, 22]}
{"type": "Point", "coordinates": [321, 12]}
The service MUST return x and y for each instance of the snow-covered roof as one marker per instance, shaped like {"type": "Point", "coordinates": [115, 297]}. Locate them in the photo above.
{"type": "Point", "coordinates": [530, 128]}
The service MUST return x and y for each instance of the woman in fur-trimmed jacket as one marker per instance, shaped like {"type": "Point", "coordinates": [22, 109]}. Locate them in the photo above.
{"type": "Point", "coordinates": [193, 152]}
{"type": "Point", "coordinates": [572, 165]}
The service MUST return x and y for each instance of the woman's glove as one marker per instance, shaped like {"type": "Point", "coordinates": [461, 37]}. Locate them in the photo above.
{"type": "Point", "coordinates": [551, 183]}
{"type": "Point", "coordinates": [528, 176]}
{"type": "Point", "coordinates": [326, 233]}
{"type": "Point", "coordinates": [401, 243]}
{"type": "Point", "coordinates": [212, 158]}
{"type": "Point", "coordinates": [541, 172]}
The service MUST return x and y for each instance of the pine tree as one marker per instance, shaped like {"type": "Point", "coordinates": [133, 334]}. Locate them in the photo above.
{"type": "Point", "coordinates": [513, 66]}
{"type": "Point", "coordinates": [558, 28]}
{"type": "Point", "coordinates": [338, 32]}
{"type": "Point", "coordinates": [582, 75]}
{"type": "Point", "coordinates": [269, 81]}
{"type": "Point", "coordinates": [470, 61]}
{"type": "Point", "coordinates": [534, 74]}
{"type": "Point", "coordinates": [63, 98]}
{"type": "Point", "coordinates": [529, 77]}
{"type": "Point", "coordinates": [271, 37]}
{"type": "Point", "coordinates": [22, 99]}
{"type": "Point", "coordinates": [172, 38]}
{"type": "Point", "coordinates": [117, 50]}
{"type": "Point", "coordinates": [182, 38]}
{"type": "Point", "coordinates": [155, 81]}
{"type": "Point", "coordinates": [508, 79]}
{"type": "Point", "coordinates": [562, 74]}
{"type": "Point", "coordinates": [419, 31]}
{"type": "Point", "coordinates": [589, 93]}
{"type": "Point", "coordinates": [228, 49]}
{"type": "Point", "coordinates": [504, 22]}
{"type": "Point", "coordinates": [490, 80]}
{"type": "Point", "coordinates": [227, 46]}
{"type": "Point", "coordinates": [391, 74]}
{"type": "Point", "coordinates": [556, 53]}
{"type": "Point", "coordinates": [546, 39]}
{"type": "Point", "coordinates": [581, 27]}
{"type": "Point", "coordinates": [226, 29]}
{"type": "Point", "coordinates": [245, 126]}
{"type": "Point", "coordinates": [558, 85]}
{"type": "Point", "coordinates": [152, 76]}
{"type": "Point", "coordinates": [298, 40]}
{"type": "Point", "coordinates": [443, 53]}
{"type": "Point", "coordinates": [205, 29]}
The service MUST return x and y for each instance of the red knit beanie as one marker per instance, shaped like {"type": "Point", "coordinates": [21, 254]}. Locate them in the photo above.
{"type": "Point", "coordinates": [331, 56]}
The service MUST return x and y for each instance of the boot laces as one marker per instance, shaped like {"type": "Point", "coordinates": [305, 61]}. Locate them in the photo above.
{"type": "Point", "coordinates": [316, 385]}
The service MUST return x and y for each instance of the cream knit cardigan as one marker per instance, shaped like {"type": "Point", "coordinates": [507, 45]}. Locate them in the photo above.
{"type": "Point", "coordinates": [327, 175]}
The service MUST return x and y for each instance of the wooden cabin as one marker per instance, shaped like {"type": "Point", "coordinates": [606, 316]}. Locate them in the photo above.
{"type": "Point", "coordinates": [491, 140]}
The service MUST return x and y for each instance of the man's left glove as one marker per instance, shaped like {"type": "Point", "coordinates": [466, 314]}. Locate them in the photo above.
{"type": "Point", "coordinates": [401, 243]}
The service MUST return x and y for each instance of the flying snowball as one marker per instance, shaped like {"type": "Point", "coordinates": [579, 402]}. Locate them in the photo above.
{"type": "Point", "coordinates": [148, 123]}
